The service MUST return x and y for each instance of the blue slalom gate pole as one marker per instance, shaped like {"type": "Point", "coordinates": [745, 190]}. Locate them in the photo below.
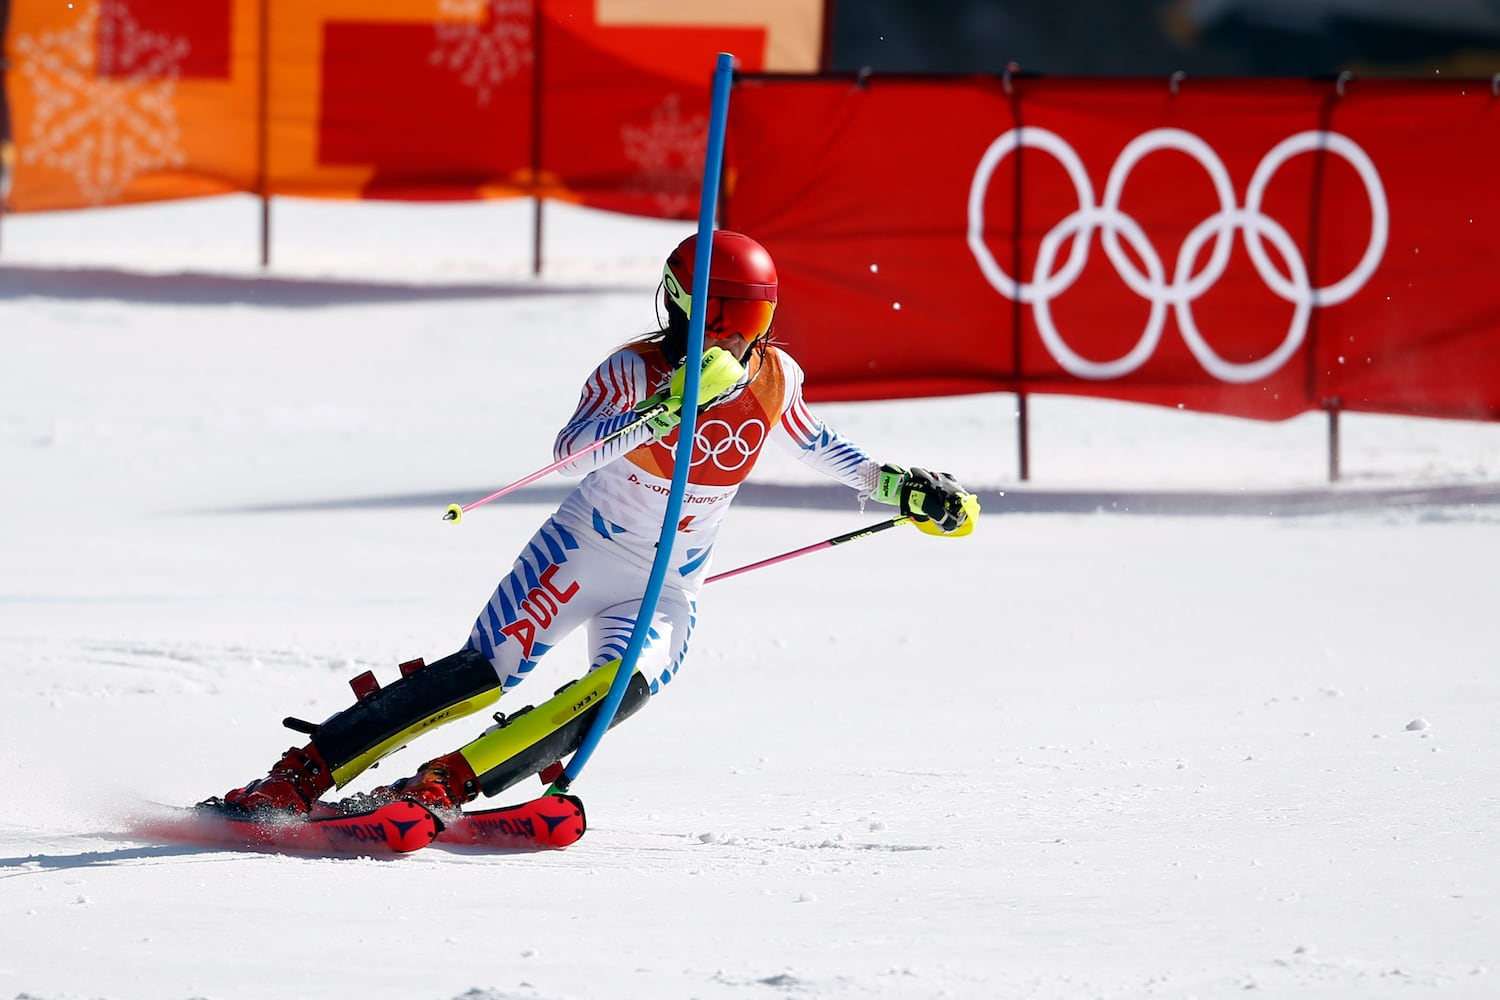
{"type": "Point", "coordinates": [693, 362]}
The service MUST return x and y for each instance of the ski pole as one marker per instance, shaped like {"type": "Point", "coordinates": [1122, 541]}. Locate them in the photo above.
{"type": "Point", "coordinates": [455, 513]}
{"type": "Point", "coordinates": [827, 543]}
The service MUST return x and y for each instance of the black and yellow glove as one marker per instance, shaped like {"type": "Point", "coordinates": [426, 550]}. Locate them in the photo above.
{"type": "Point", "coordinates": [934, 500]}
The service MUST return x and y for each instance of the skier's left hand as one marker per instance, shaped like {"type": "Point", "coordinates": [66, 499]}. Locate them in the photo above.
{"type": "Point", "coordinates": [924, 496]}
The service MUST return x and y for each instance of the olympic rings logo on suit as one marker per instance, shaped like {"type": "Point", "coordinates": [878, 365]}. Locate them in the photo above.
{"type": "Point", "coordinates": [1185, 287]}
{"type": "Point", "coordinates": [727, 447]}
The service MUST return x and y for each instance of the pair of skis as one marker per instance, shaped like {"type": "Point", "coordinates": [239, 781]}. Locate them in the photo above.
{"type": "Point", "coordinates": [551, 821]}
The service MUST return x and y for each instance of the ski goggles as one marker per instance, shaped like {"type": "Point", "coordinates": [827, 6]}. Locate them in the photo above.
{"type": "Point", "coordinates": [750, 318]}
{"type": "Point", "coordinates": [725, 317]}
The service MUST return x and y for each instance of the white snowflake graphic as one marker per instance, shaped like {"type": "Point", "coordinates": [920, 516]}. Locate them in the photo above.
{"type": "Point", "coordinates": [103, 113]}
{"type": "Point", "coordinates": [669, 152]}
{"type": "Point", "coordinates": [484, 55]}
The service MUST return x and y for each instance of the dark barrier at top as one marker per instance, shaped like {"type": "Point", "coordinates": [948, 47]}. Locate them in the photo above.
{"type": "Point", "coordinates": [1250, 247]}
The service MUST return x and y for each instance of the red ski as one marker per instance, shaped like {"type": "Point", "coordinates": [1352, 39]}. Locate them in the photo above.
{"type": "Point", "coordinates": [548, 822]}
{"type": "Point", "coordinates": [394, 828]}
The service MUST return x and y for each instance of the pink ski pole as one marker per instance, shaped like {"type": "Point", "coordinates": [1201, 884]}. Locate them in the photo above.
{"type": "Point", "coordinates": [455, 512]}
{"type": "Point", "coordinates": [827, 543]}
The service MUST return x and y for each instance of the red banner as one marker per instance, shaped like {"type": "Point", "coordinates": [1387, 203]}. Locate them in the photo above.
{"type": "Point", "coordinates": [1251, 247]}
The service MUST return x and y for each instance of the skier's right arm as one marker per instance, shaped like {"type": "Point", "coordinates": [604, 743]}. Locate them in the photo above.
{"type": "Point", "coordinates": [605, 405]}
{"type": "Point", "coordinates": [618, 394]}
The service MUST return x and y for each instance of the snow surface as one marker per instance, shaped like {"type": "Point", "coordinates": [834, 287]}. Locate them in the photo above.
{"type": "Point", "coordinates": [1178, 720]}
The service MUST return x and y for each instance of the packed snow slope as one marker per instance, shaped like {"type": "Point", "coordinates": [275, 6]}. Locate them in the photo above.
{"type": "Point", "coordinates": [1180, 719]}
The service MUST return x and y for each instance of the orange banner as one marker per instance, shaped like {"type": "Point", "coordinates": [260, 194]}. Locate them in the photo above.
{"type": "Point", "coordinates": [597, 102]}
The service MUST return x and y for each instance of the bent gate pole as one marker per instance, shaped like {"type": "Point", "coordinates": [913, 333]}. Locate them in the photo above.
{"type": "Point", "coordinates": [707, 203]}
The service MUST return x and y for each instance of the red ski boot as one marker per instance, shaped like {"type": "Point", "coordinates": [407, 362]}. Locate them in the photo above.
{"type": "Point", "coordinates": [442, 785]}
{"type": "Point", "coordinates": [294, 784]}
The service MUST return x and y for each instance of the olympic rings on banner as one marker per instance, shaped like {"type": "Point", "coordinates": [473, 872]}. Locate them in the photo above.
{"type": "Point", "coordinates": [1114, 225]}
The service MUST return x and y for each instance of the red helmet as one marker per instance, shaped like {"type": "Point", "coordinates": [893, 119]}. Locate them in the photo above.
{"type": "Point", "coordinates": [741, 285]}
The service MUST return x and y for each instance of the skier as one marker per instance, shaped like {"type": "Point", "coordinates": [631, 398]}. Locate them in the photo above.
{"type": "Point", "coordinates": [589, 562]}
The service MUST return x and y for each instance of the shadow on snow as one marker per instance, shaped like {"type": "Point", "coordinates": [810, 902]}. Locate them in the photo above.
{"type": "Point", "coordinates": [1010, 500]}
{"type": "Point", "coordinates": [184, 288]}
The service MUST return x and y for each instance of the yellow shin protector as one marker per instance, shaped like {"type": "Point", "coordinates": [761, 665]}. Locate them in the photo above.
{"type": "Point", "coordinates": [532, 738]}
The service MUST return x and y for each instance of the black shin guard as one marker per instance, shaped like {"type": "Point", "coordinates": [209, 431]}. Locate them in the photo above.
{"type": "Point", "coordinates": [386, 719]}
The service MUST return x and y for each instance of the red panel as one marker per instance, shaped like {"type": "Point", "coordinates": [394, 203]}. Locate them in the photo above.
{"type": "Point", "coordinates": [156, 39]}
{"type": "Point", "coordinates": [1421, 336]}
{"type": "Point", "coordinates": [858, 194]}
{"type": "Point", "coordinates": [429, 132]}
{"type": "Point", "coordinates": [1164, 310]}
{"type": "Point", "coordinates": [626, 108]}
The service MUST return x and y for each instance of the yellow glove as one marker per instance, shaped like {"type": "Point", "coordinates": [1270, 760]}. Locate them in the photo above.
{"type": "Point", "coordinates": [720, 373]}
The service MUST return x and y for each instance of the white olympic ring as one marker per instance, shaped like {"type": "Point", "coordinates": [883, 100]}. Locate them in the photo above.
{"type": "Point", "coordinates": [736, 440]}
{"type": "Point", "coordinates": [1185, 287]}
